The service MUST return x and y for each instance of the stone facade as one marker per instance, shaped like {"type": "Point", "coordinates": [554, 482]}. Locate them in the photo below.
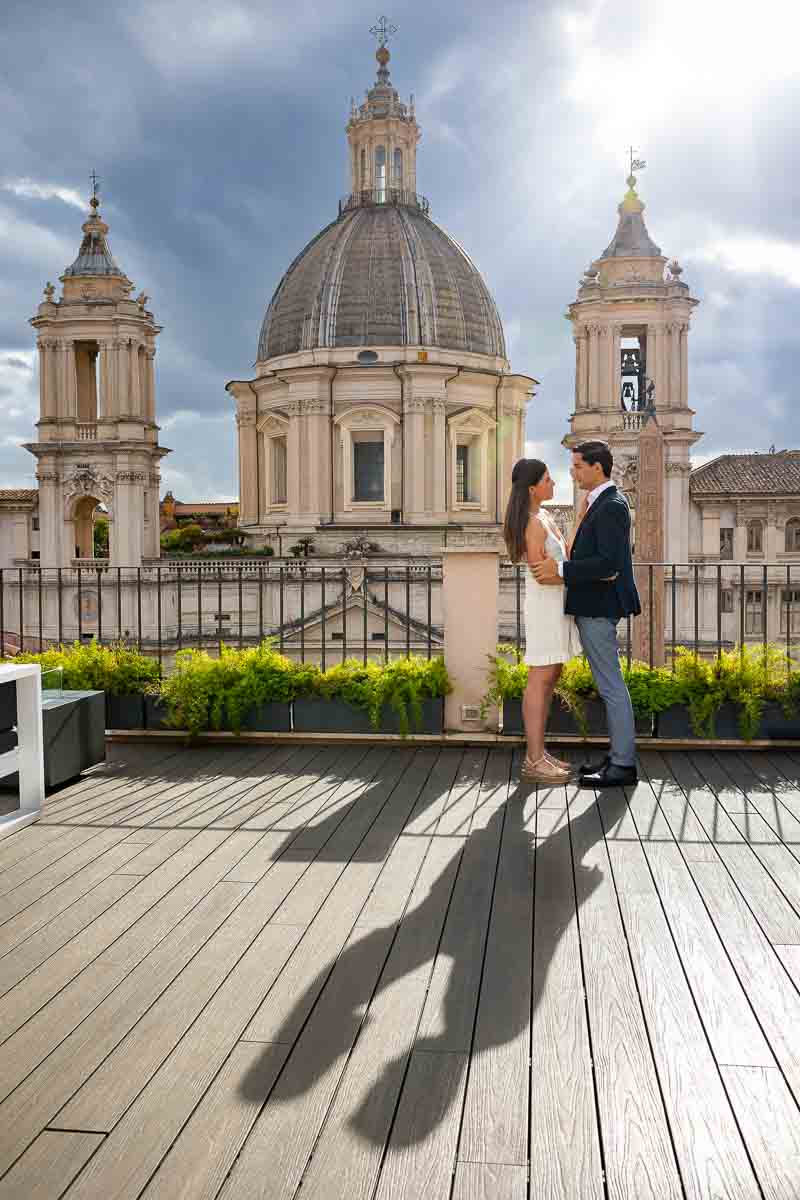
{"type": "Point", "coordinates": [381, 343]}
{"type": "Point", "coordinates": [97, 444]}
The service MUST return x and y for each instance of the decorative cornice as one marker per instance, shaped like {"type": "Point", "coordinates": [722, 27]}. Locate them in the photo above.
{"type": "Point", "coordinates": [131, 477]}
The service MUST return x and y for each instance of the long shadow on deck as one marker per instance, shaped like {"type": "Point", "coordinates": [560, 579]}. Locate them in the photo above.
{"type": "Point", "coordinates": [554, 912]}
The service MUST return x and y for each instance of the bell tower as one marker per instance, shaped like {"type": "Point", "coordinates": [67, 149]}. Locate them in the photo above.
{"type": "Point", "coordinates": [382, 134]}
{"type": "Point", "coordinates": [630, 324]}
{"type": "Point", "coordinates": [97, 445]}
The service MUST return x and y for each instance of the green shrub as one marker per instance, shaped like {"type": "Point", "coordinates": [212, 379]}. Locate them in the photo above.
{"type": "Point", "coordinates": [88, 666]}
{"type": "Point", "coordinates": [401, 683]}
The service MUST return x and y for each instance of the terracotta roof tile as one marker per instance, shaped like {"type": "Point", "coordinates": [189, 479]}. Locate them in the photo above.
{"type": "Point", "coordinates": [19, 494]}
{"type": "Point", "coordinates": [765, 474]}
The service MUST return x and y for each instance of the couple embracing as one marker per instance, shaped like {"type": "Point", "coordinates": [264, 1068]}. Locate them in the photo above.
{"type": "Point", "coordinates": [576, 593]}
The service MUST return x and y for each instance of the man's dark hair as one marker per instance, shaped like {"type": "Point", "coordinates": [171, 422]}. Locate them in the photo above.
{"type": "Point", "coordinates": [596, 452]}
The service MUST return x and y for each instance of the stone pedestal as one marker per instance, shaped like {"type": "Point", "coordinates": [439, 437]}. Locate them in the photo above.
{"type": "Point", "coordinates": [470, 585]}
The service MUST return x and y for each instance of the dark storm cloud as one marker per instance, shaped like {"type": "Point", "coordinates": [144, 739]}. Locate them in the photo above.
{"type": "Point", "coordinates": [218, 133]}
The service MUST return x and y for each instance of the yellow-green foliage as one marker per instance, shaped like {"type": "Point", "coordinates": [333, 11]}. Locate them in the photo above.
{"type": "Point", "coordinates": [87, 666]}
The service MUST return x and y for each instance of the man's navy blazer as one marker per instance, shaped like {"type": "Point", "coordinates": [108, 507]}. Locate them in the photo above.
{"type": "Point", "coordinates": [602, 548]}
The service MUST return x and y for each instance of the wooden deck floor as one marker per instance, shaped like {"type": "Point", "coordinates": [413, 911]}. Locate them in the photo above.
{"type": "Point", "coordinates": [381, 972]}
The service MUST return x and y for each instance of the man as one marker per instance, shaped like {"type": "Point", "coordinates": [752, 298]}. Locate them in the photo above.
{"type": "Point", "coordinates": [600, 590]}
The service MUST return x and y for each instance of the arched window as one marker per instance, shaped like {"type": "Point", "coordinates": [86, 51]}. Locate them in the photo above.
{"type": "Point", "coordinates": [397, 181]}
{"type": "Point", "coordinates": [380, 174]}
{"type": "Point", "coordinates": [793, 536]}
{"type": "Point", "coordinates": [755, 537]}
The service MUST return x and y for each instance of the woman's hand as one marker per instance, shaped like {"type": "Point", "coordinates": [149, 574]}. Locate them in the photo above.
{"type": "Point", "coordinates": [546, 572]}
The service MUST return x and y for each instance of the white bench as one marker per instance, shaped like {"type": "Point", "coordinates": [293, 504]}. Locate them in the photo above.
{"type": "Point", "coordinates": [28, 756]}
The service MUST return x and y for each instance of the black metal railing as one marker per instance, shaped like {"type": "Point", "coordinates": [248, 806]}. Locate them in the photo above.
{"type": "Point", "coordinates": [706, 607]}
{"type": "Point", "coordinates": [368, 197]}
{"type": "Point", "coordinates": [322, 609]}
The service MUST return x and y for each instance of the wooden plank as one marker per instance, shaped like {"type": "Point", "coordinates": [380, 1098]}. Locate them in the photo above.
{"type": "Point", "coordinates": [710, 1153]}
{"type": "Point", "coordinates": [114, 806]}
{"type": "Point", "coordinates": [25, 957]}
{"type": "Point", "coordinates": [159, 852]}
{"type": "Point", "coordinates": [59, 898]}
{"type": "Point", "coordinates": [433, 798]}
{"type": "Point", "coordinates": [302, 905]}
{"type": "Point", "coordinates": [235, 812]}
{"type": "Point", "coordinates": [103, 962]}
{"type": "Point", "coordinates": [144, 837]}
{"type": "Point", "coordinates": [728, 790]}
{"type": "Point", "coordinates": [198, 1163]}
{"type": "Point", "coordinates": [772, 910]}
{"type": "Point", "coordinates": [240, 773]}
{"type": "Point", "coordinates": [775, 1000]}
{"type": "Point", "coordinates": [348, 1153]}
{"type": "Point", "coordinates": [114, 1085]}
{"type": "Point", "coordinates": [299, 781]}
{"type": "Point", "coordinates": [755, 829]}
{"type": "Point", "coordinates": [456, 817]}
{"type": "Point", "coordinates": [340, 769]}
{"type": "Point", "coordinates": [490, 1181]}
{"type": "Point", "coordinates": [45, 856]}
{"type": "Point", "coordinates": [639, 1159]}
{"type": "Point", "coordinates": [245, 790]}
{"type": "Point", "coordinates": [49, 1165]}
{"type": "Point", "coordinates": [448, 1019]}
{"type": "Point", "coordinates": [290, 1001]}
{"type": "Point", "coordinates": [719, 827]}
{"type": "Point", "coordinates": [733, 1032]}
{"type": "Point", "coordinates": [495, 790]}
{"type": "Point", "coordinates": [770, 1124]}
{"type": "Point", "coordinates": [389, 896]}
{"type": "Point", "coordinates": [44, 1088]}
{"type": "Point", "coordinates": [44, 881]}
{"type": "Point", "coordinates": [686, 829]}
{"type": "Point", "coordinates": [129, 1156]}
{"type": "Point", "coordinates": [419, 1158]}
{"type": "Point", "coordinates": [24, 843]}
{"type": "Point", "coordinates": [190, 789]}
{"type": "Point", "coordinates": [257, 861]}
{"type": "Point", "coordinates": [495, 1127]}
{"type": "Point", "coordinates": [564, 1139]}
{"type": "Point", "coordinates": [779, 774]}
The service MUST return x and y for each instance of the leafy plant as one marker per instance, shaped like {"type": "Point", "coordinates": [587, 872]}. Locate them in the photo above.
{"type": "Point", "coordinates": [302, 548]}
{"type": "Point", "coordinates": [402, 684]}
{"type": "Point", "coordinates": [89, 666]}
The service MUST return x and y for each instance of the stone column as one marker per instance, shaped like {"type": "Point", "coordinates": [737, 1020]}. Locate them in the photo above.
{"type": "Point", "coordinates": [122, 376]}
{"type": "Point", "coordinates": [675, 364]}
{"type": "Point", "coordinates": [414, 456]}
{"type": "Point", "coordinates": [594, 367]}
{"type": "Point", "coordinates": [45, 390]}
{"type": "Point", "coordinates": [318, 450]}
{"type": "Point", "coordinates": [740, 534]}
{"type": "Point", "coordinates": [771, 542]}
{"type": "Point", "coordinates": [470, 585]}
{"type": "Point", "coordinates": [293, 447]}
{"type": "Point", "coordinates": [105, 405]}
{"type": "Point", "coordinates": [135, 383]}
{"type": "Point", "coordinates": [127, 543]}
{"type": "Point", "coordinates": [248, 468]}
{"type": "Point", "coordinates": [439, 471]}
{"type": "Point", "coordinates": [616, 367]}
{"type": "Point", "coordinates": [51, 519]}
{"type": "Point", "coordinates": [684, 363]}
{"type": "Point", "coordinates": [150, 383]}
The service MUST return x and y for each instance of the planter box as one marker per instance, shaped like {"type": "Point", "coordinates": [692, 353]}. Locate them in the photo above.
{"type": "Point", "coordinates": [268, 718]}
{"type": "Point", "coordinates": [155, 713]}
{"type": "Point", "coordinates": [674, 722]}
{"type": "Point", "coordinates": [561, 719]}
{"type": "Point", "coordinates": [125, 712]}
{"type": "Point", "coordinates": [73, 727]}
{"type": "Point", "coordinates": [775, 724]}
{"type": "Point", "coordinates": [314, 714]}
{"type": "Point", "coordinates": [8, 705]}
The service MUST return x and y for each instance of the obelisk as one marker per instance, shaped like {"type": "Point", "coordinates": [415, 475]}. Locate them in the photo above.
{"type": "Point", "coordinates": [648, 629]}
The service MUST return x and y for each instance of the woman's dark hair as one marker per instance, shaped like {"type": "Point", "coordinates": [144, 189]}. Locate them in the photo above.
{"type": "Point", "coordinates": [526, 474]}
{"type": "Point", "coordinates": [596, 452]}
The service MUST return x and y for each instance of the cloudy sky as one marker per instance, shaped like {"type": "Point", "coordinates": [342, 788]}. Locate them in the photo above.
{"type": "Point", "coordinates": [218, 134]}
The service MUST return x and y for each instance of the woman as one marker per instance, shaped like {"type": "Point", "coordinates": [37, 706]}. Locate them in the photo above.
{"type": "Point", "coordinates": [551, 637]}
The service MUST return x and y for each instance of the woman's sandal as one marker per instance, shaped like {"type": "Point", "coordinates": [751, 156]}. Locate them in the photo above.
{"type": "Point", "coordinates": [558, 762]}
{"type": "Point", "coordinates": [543, 771]}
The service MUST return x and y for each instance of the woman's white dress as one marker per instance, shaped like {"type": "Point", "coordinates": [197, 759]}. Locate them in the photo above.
{"type": "Point", "coordinates": [550, 635]}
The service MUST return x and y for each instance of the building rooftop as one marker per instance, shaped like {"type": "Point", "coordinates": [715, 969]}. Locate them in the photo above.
{"type": "Point", "coordinates": [17, 494]}
{"type": "Point", "coordinates": [764, 474]}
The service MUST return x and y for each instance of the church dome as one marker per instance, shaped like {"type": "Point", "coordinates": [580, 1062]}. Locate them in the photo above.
{"type": "Point", "coordinates": [382, 274]}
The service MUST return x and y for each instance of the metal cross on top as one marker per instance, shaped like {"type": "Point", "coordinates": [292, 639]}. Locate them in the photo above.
{"type": "Point", "coordinates": [94, 180]}
{"type": "Point", "coordinates": [383, 30]}
{"type": "Point", "coordinates": [637, 164]}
